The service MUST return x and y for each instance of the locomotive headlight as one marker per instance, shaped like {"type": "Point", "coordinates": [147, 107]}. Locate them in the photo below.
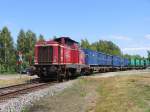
{"type": "Point", "coordinates": [35, 60]}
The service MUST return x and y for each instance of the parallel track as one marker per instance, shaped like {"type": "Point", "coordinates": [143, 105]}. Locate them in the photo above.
{"type": "Point", "coordinates": [17, 90]}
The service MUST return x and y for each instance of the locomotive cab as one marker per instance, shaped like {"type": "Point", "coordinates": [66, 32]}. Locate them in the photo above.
{"type": "Point", "coordinates": [44, 53]}
{"type": "Point", "coordinates": [47, 58]}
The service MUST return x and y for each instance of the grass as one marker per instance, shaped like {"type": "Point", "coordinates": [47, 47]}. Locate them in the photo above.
{"type": "Point", "coordinates": [71, 99]}
{"type": "Point", "coordinates": [7, 80]}
{"type": "Point", "coordinates": [117, 94]}
{"type": "Point", "coordinates": [25, 110]}
{"type": "Point", "coordinates": [112, 94]}
{"type": "Point", "coordinates": [124, 94]}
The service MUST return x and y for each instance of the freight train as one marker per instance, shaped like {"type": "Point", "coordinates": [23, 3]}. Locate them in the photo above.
{"type": "Point", "coordinates": [63, 58]}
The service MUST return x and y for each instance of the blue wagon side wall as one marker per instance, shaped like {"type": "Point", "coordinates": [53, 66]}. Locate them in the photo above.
{"type": "Point", "coordinates": [102, 59]}
{"type": "Point", "coordinates": [97, 58]}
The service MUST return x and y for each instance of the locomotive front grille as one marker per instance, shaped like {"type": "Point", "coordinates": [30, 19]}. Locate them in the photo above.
{"type": "Point", "coordinates": [45, 54]}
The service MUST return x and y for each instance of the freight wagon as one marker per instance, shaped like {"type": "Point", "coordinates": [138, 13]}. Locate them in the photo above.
{"type": "Point", "coordinates": [98, 61]}
{"type": "Point", "coordinates": [138, 63]}
{"type": "Point", "coordinates": [102, 62]}
{"type": "Point", "coordinates": [146, 62]}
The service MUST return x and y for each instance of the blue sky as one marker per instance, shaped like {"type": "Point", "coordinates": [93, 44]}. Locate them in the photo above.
{"type": "Point", "coordinates": [125, 22]}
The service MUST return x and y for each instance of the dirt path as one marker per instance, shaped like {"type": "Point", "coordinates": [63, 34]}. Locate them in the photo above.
{"type": "Point", "coordinates": [14, 76]}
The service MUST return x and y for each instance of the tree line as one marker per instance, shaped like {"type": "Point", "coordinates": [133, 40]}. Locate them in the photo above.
{"type": "Point", "coordinates": [8, 49]}
{"type": "Point", "coordinates": [104, 46]}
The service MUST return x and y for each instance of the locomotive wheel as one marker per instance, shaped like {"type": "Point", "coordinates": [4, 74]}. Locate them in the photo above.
{"type": "Point", "coordinates": [68, 75]}
{"type": "Point", "coordinates": [59, 77]}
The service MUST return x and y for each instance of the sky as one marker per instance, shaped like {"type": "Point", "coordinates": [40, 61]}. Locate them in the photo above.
{"type": "Point", "coordinates": [125, 22]}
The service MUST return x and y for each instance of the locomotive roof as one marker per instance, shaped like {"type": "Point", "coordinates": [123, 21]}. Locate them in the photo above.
{"type": "Point", "coordinates": [66, 39]}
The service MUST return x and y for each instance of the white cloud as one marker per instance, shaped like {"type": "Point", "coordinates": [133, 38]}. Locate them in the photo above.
{"type": "Point", "coordinates": [136, 48]}
{"type": "Point", "coordinates": [116, 37]}
{"type": "Point", "coordinates": [147, 36]}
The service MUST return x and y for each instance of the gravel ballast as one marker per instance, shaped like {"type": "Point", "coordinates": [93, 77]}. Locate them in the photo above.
{"type": "Point", "coordinates": [21, 102]}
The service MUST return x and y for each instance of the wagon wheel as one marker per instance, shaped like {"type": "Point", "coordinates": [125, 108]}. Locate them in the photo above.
{"type": "Point", "coordinates": [82, 73]}
{"type": "Point", "coordinates": [91, 71]}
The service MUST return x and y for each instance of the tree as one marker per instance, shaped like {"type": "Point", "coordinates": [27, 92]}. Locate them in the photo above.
{"type": "Point", "coordinates": [108, 47]}
{"type": "Point", "coordinates": [7, 49]}
{"type": "Point", "coordinates": [136, 56]}
{"type": "Point", "coordinates": [1, 47]}
{"type": "Point", "coordinates": [30, 43]}
{"type": "Point", "coordinates": [22, 47]}
{"type": "Point", "coordinates": [127, 56]}
{"type": "Point", "coordinates": [133, 56]}
{"type": "Point", "coordinates": [25, 43]}
{"type": "Point", "coordinates": [148, 52]}
{"type": "Point", "coordinates": [85, 44]}
{"type": "Point", "coordinates": [93, 46]}
{"type": "Point", "coordinates": [41, 38]}
{"type": "Point", "coordinates": [54, 37]}
{"type": "Point", "coordinates": [21, 41]}
{"type": "Point", "coordinates": [31, 39]}
{"type": "Point", "coordinates": [104, 46]}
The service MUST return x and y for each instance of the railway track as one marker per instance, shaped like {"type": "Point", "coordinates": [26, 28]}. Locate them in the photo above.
{"type": "Point", "coordinates": [17, 90]}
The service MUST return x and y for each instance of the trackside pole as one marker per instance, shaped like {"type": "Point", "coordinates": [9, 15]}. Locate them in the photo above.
{"type": "Point", "coordinates": [20, 70]}
{"type": "Point", "coordinates": [30, 64]}
{"type": "Point", "coordinates": [19, 61]}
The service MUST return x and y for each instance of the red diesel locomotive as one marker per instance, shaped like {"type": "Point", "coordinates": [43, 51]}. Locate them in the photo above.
{"type": "Point", "coordinates": [58, 59]}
